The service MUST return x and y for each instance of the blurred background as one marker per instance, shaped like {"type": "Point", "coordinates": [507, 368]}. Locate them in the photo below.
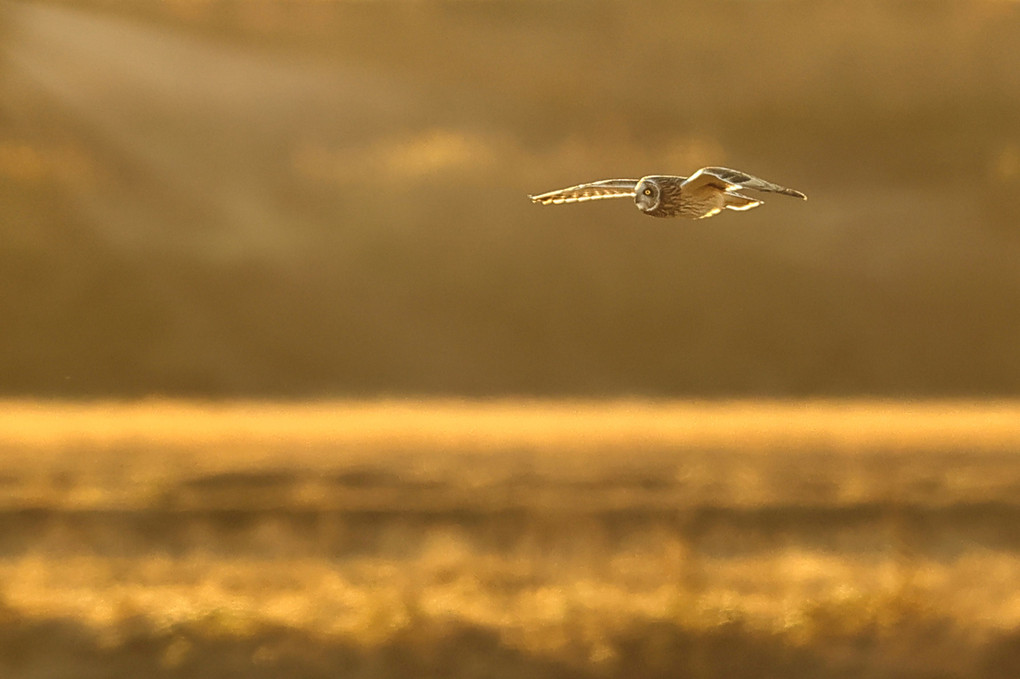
{"type": "Point", "coordinates": [305, 198]}
{"type": "Point", "coordinates": [295, 381]}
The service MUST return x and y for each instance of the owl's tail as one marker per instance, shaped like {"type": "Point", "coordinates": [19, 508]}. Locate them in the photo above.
{"type": "Point", "coordinates": [735, 201]}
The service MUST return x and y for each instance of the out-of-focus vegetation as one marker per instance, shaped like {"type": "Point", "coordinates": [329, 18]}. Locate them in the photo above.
{"type": "Point", "coordinates": [267, 197]}
{"type": "Point", "coordinates": [509, 539]}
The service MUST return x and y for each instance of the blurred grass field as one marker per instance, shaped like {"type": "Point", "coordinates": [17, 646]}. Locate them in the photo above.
{"type": "Point", "coordinates": [510, 539]}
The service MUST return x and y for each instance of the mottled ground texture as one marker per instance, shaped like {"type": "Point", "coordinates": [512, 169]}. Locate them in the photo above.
{"type": "Point", "coordinates": [510, 539]}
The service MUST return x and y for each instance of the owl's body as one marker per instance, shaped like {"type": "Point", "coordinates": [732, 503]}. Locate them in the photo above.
{"type": "Point", "coordinates": [705, 193]}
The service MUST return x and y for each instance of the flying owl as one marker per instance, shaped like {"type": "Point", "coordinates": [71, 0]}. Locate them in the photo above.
{"type": "Point", "coordinates": [705, 193]}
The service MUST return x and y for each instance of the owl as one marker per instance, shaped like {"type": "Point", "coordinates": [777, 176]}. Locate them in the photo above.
{"type": "Point", "coordinates": [705, 193]}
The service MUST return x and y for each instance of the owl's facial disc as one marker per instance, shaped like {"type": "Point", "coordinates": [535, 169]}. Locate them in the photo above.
{"type": "Point", "coordinates": [647, 196]}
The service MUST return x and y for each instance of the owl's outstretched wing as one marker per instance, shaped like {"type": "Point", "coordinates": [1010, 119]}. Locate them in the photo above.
{"type": "Point", "coordinates": [607, 188]}
{"type": "Point", "coordinates": [729, 180]}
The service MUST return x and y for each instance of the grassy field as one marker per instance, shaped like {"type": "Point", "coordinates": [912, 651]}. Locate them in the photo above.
{"type": "Point", "coordinates": [510, 539]}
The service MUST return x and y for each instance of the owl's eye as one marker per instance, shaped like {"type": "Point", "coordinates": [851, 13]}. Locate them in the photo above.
{"type": "Point", "coordinates": [648, 192]}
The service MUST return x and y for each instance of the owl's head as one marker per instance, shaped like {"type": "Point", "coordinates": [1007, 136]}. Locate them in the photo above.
{"type": "Point", "coordinates": [647, 194]}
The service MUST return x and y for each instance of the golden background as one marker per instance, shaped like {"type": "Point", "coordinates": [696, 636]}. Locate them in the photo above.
{"type": "Point", "coordinates": [309, 197]}
{"type": "Point", "coordinates": [296, 382]}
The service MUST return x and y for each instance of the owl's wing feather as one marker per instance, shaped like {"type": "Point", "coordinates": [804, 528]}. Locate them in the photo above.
{"type": "Point", "coordinates": [607, 188]}
{"type": "Point", "coordinates": [725, 179]}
